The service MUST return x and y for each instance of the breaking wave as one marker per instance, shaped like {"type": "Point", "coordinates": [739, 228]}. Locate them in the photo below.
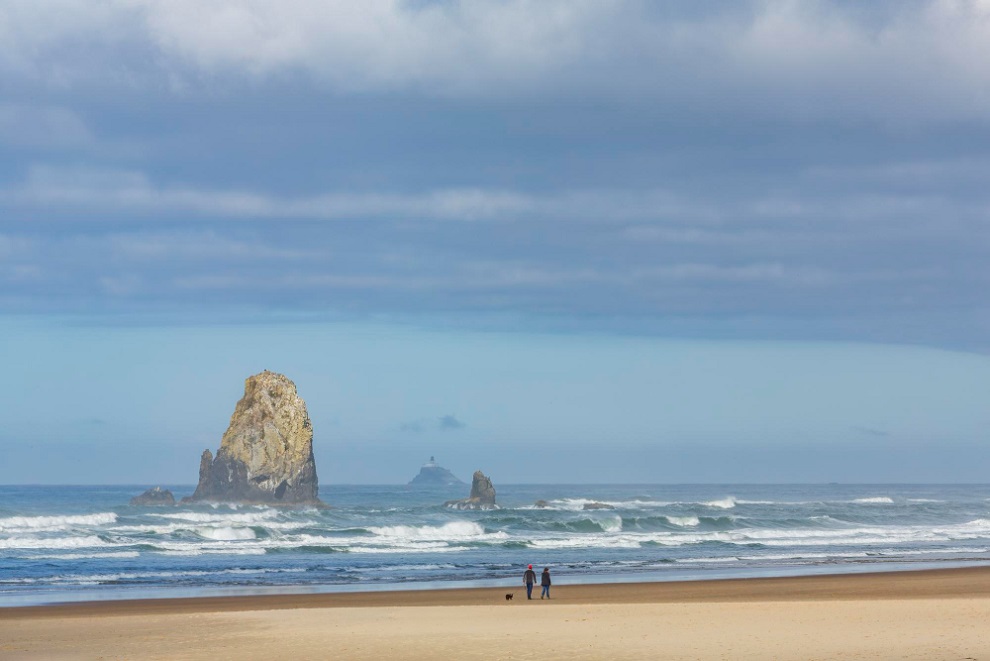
{"type": "Point", "coordinates": [226, 534]}
{"type": "Point", "coordinates": [54, 523]}
{"type": "Point", "coordinates": [397, 535]}
{"type": "Point", "coordinates": [51, 543]}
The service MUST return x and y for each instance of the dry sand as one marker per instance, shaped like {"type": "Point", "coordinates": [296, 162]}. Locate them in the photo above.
{"type": "Point", "coordinates": [942, 614]}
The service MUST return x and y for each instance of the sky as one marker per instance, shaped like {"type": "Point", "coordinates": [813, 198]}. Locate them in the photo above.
{"type": "Point", "coordinates": [555, 240]}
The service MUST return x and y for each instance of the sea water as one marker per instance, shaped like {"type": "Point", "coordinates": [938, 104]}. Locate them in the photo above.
{"type": "Point", "coordinates": [66, 543]}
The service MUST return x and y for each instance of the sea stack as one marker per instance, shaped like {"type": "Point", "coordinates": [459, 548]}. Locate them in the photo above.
{"type": "Point", "coordinates": [482, 495]}
{"type": "Point", "coordinates": [432, 474]}
{"type": "Point", "coordinates": [266, 455]}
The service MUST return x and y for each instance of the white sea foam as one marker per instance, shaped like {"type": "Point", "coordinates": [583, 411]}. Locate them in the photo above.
{"type": "Point", "coordinates": [871, 537]}
{"type": "Point", "coordinates": [170, 528]}
{"type": "Point", "coordinates": [226, 534]}
{"type": "Point", "coordinates": [588, 541]}
{"type": "Point", "coordinates": [262, 517]}
{"type": "Point", "coordinates": [54, 523]}
{"type": "Point", "coordinates": [875, 500]}
{"type": "Point", "coordinates": [118, 577]}
{"type": "Point", "coordinates": [371, 545]}
{"type": "Point", "coordinates": [423, 567]}
{"type": "Point", "coordinates": [391, 539]}
{"type": "Point", "coordinates": [683, 521]}
{"type": "Point", "coordinates": [724, 503]}
{"type": "Point", "coordinates": [425, 548]}
{"type": "Point", "coordinates": [52, 543]}
{"type": "Point", "coordinates": [192, 552]}
{"type": "Point", "coordinates": [578, 504]}
{"type": "Point", "coordinates": [804, 556]}
{"type": "Point", "coordinates": [707, 561]}
{"type": "Point", "coordinates": [269, 519]}
{"type": "Point", "coordinates": [452, 530]}
{"type": "Point", "coordinates": [83, 556]}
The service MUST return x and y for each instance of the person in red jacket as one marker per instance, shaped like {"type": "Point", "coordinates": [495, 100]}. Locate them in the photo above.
{"type": "Point", "coordinates": [528, 579]}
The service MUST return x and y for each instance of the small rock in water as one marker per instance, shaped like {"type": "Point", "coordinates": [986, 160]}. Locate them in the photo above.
{"type": "Point", "coordinates": [156, 497]}
{"type": "Point", "coordinates": [482, 495]}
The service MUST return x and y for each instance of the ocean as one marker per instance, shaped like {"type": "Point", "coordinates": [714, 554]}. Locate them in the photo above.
{"type": "Point", "coordinates": [70, 543]}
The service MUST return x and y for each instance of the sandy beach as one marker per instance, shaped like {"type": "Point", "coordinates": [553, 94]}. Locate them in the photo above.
{"type": "Point", "coordinates": [937, 614]}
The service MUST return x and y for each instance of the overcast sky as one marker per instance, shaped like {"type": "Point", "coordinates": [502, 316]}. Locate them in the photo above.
{"type": "Point", "coordinates": [556, 240]}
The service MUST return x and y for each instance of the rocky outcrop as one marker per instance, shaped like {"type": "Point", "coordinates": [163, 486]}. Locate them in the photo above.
{"type": "Point", "coordinates": [482, 495]}
{"type": "Point", "coordinates": [156, 497]}
{"type": "Point", "coordinates": [266, 454]}
{"type": "Point", "coordinates": [541, 504]}
{"type": "Point", "coordinates": [432, 474]}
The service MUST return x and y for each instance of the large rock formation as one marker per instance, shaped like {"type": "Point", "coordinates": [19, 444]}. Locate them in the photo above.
{"type": "Point", "coordinates": [156, 497]}
{"type": "Point", "coordinates": [432, 474]}
{"type": "Point", "coordinates": [266, 455]}
{"type": "Point", "coordinates": [482, 495]}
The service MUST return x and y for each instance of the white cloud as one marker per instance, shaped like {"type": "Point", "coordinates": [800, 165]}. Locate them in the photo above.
{"type": "Point", "coordinates": [378, 44]}
{"type": "Point", "coordinates": [91, 190]}
{"type": "Point", "coordinates": [67, 192]}
{"type": "Point", "coordinates": [815, 58]}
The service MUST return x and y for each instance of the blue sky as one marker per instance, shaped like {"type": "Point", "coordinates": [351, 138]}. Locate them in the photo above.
{"type": "Point", "coordinates": [558, 241]}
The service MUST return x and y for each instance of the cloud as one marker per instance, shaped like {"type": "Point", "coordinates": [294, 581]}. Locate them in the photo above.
{"type": "Point", "coordinates": [443, 423]}
{"type": "Point", "coordinates": [774, 57]}
{"type": "Point", "coordinates": [735, 169]}
{"type": "Point", "coordinates": [870, 431]}
{"type": "Point", "coordinates": [95, 190]}
{"type": "Point", "coordinates": [133, 195]}
{"type": "Point", "coordinates": [450, 422]}
{"type": "Point", "coordinates": [887, 249]}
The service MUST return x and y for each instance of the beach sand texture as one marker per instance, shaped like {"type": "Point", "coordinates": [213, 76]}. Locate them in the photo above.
{"type": "Point", "coordinates": [941, 614]}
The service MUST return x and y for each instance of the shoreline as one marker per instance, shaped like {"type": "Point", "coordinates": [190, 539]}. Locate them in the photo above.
{"type": "Point", "coordinates": [930, 614]}
{"type": "Point", "coordinates": [941, 583]}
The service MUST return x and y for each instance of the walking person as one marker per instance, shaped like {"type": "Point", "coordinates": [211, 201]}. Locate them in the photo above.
{"type": "Point", "coordinates": [528, 579]}
{"type": "Point", "coordinates": [545, 582]}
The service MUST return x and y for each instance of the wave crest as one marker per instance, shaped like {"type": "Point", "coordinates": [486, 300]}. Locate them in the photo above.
{"type": "Point", "coordinates": [52, 523]}
{"type": "Point", "coordinates": [226, 534]}
{"type": "Point", "coordinates": [452, 530]}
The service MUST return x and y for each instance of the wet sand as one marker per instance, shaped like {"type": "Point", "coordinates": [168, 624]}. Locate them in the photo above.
{"type": "Point", "coordinates": [937, 614]}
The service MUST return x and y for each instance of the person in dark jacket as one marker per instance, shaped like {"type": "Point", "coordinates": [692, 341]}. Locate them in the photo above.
{"type": "Point", "coordinates": [545, 582]}
{"type": "Point", "coordinates": [528, 579]}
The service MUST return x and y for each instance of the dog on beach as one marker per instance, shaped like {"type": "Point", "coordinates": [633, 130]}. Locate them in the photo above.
{"type": "Point", "coordinates": [508, 596]}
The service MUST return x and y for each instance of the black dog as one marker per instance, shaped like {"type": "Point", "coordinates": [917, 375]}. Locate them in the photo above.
{"type": "Point", "coordinates": [508, 596]}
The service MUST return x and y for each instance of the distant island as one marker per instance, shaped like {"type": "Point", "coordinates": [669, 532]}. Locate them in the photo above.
{"type": "Point", "coordinates": [432, 474]}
